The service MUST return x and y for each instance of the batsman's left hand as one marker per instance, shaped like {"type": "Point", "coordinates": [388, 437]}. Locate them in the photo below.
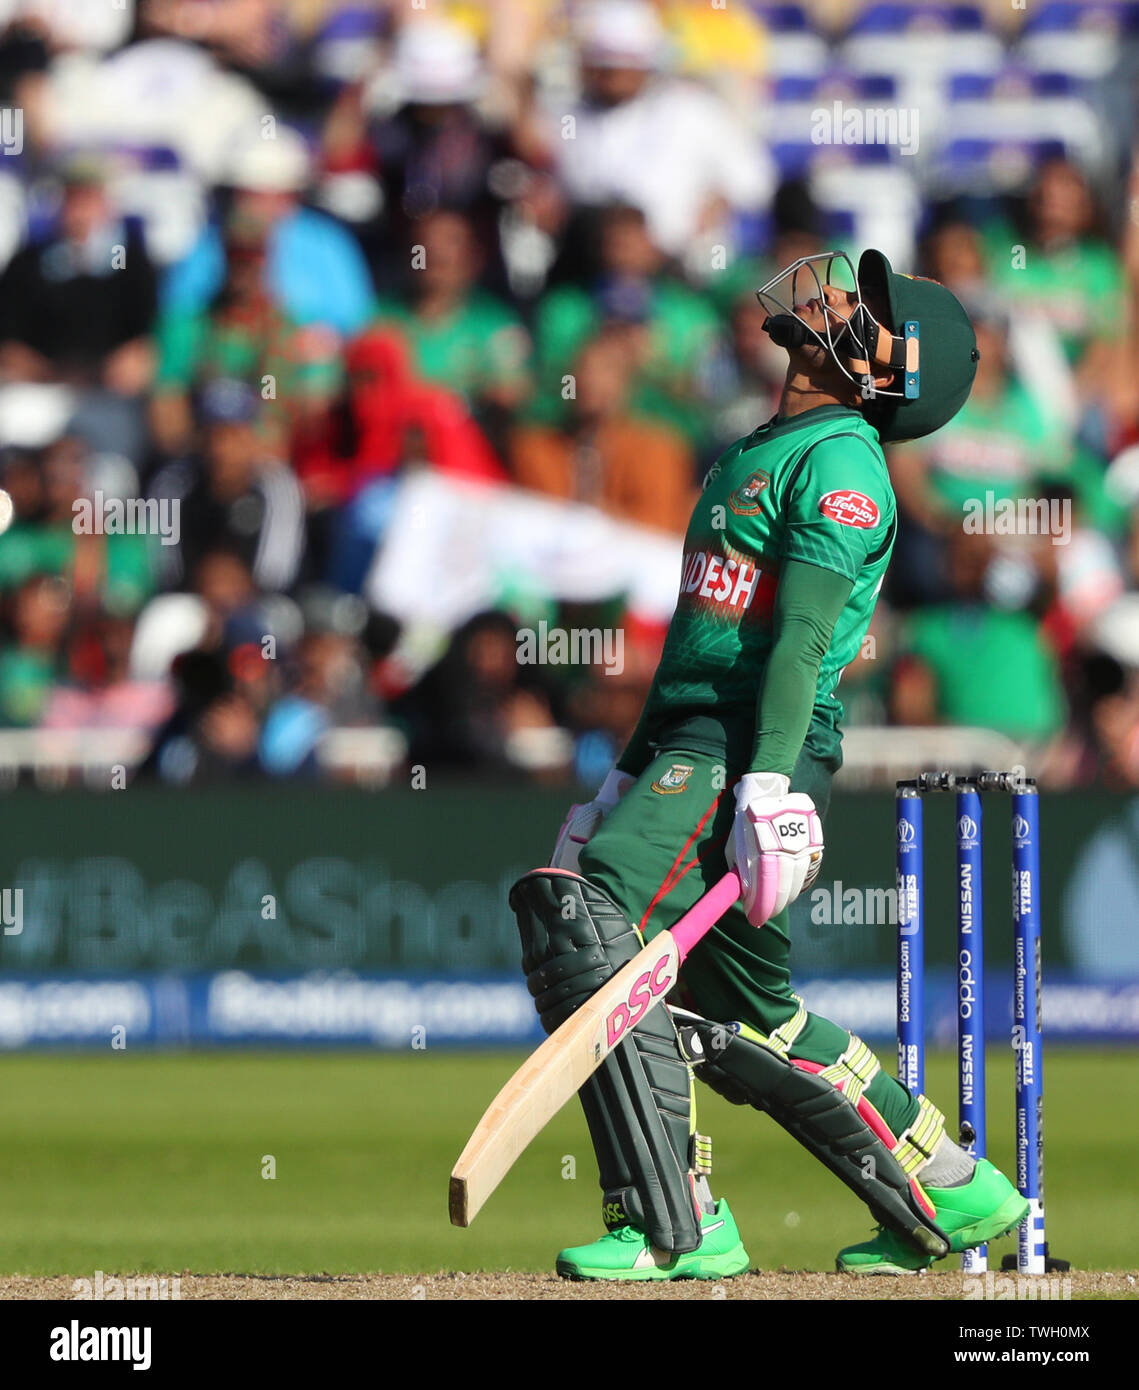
{"type": "Point", "coordinates": [776, 845]}
{"type": "Point", "coordinates": [581, 824]}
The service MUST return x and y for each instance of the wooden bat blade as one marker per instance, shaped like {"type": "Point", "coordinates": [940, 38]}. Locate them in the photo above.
{"type": "Point", "coordinates": [556, 1071]}
{"type": "Point", "coordinates": [572, 1053]}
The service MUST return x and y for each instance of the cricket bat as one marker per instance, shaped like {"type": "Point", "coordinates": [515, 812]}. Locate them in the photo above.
{"type": "Point", "coordinates": [572, 1053]}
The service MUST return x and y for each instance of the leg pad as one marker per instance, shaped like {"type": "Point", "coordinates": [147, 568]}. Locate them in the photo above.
{"type": "Point", "coordinates": [851, 1139]}
{"type": "Point", "coordinates": [638, 1104]}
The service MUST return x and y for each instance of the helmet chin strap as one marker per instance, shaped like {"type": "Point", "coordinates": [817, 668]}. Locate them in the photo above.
{"type": "Point", "coordinates": [786, 331]}
{"type": "Point", "coordinates": [790, 332]}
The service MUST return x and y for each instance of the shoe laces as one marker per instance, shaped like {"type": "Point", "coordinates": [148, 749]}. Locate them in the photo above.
{"type": "Point", "coordinates": [629, 1234]}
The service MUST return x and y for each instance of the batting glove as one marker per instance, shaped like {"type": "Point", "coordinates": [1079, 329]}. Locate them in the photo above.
{"type": "Point", "coordinates": [582, 822]}
{"type": "Point", "coordinates": [776, 845]}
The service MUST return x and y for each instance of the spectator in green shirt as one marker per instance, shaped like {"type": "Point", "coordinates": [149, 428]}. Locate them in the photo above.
{"type": "Point", "coordinates": [31, 660]}
{"type": "Point", "coordinates": [999, 443]}
{"type": "Point", "coordinates": [971, 663]}
{"type": "Point", "coordinates": [671, 332]}
{"type": "Point", "coordinates": [110, 568]}
{"type": "Point", "coordinates": [460, 336]}
{"type": "Point", "coordinates": [243, 335]}
{"type": "Point", "coordinates": [1063, 266]}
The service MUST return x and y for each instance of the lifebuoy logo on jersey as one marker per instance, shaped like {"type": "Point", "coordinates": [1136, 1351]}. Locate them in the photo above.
{"type": "Point", "coordinates": [850, 508]}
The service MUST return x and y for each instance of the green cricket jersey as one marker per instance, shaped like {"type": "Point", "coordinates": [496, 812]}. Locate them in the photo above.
{"type": "Point", "coordinates": [813, 488]}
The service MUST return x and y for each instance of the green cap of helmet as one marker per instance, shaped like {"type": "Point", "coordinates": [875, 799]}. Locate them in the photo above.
{"type": "Point", "coordinates": [947, 353]}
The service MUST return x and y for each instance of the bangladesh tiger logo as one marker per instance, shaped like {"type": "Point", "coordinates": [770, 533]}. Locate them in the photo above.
{"type": "Point", "coordinates": [744, 501]}
{"type": "Point", "coordinates": [674, 780]}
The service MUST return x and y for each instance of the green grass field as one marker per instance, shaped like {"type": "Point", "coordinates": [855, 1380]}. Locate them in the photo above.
{"type": "Point", "coordinates": [154, 1163]}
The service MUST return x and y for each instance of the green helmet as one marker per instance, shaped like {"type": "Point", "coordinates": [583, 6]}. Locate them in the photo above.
{"type": "Point", "coordinates": [928, 342]}
{"type": "Point", "coordinates": [946, 359]}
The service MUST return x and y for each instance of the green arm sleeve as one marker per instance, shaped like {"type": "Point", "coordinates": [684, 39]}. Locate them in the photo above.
{"type": "Point", "coordinates": [808, 603]}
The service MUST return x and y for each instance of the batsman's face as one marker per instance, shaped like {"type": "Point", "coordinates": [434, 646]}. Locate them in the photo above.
{"type": "Point", "coordinates": [834, 304]}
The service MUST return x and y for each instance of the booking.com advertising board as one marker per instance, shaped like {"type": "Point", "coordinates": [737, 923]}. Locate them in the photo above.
{"type": "Point", "coordinates": [339, 918]}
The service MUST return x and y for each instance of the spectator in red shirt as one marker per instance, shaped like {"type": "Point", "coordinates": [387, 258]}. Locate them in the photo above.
{"type": "Point", "coordinates": [386, 419]}
{"type": "Point", "coordinates": [350, 460]}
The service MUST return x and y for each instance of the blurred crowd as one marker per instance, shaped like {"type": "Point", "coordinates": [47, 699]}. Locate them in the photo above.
{"type": "Point", "coordinates": [264, 262]}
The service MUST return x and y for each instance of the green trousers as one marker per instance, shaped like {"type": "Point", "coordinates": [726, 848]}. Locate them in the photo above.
{"type": "Point", "coordinates": [661, 848]}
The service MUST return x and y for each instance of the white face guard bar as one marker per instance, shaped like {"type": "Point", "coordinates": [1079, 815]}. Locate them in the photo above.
{"type": "Point", "coordinates": [861, 342]}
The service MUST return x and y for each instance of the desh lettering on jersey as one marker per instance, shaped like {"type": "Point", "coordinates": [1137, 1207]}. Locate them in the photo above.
{"type": "Point", "coordinates": [728, 580]}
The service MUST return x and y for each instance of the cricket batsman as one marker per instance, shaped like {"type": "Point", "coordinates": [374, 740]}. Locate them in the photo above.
{"type": "Point", "coordinates": [731, 765]}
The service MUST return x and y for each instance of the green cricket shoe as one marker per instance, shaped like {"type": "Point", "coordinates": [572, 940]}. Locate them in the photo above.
{"type": "Point", "coordinates": [985, 1207]}
{"type": "Point", "coordinates": [626, 1253]}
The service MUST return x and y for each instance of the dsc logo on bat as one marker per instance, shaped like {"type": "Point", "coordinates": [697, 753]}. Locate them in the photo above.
{"type": "Point", "coordinates": [645, 988]}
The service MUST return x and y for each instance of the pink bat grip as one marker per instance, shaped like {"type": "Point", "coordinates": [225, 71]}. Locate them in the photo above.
{"type": "Point", "coordinates": [704, 915]}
